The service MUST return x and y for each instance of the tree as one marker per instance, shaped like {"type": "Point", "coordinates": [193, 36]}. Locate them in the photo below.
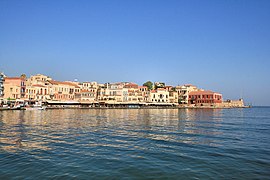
{"type": "Point", "coordinates": [149, 84]}
{"type": "Point", "coordinates": [159, 85]}
{"type": "Point", "coordinates": [23, 76]}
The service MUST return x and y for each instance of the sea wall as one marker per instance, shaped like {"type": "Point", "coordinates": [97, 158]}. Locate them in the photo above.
{"type": "Point", "coordinates": [231, 104]}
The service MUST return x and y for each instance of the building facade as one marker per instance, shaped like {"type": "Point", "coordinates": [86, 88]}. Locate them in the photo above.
{"type": "Point", "coordinates": [202, 98]}
{"type": "Point", "coordinates": [85, 96]}
{"type": "Point", "coordinates": [62, 91]}
{"type": "Point", "coordinates": [132, 94]}
{"type": "Point", "coordinates": [14, 88]}
{"type": "Point", "coordinates": [43, 88]}
{"type": "Point", "coordinates": [38, 88]}
{"type": "Point", "coordinates": [160, 95]}
{"type": "Point", "coordinates": [144, 93]}
{"type": "Point", "coordinates": [183, 92]}
{"type": "Point", "coordinates": [38, 79]}
{"type": "Point", "coordinates": [2, 79]}
{"type": "Point", "coordinates": [173, 97]}
{"type": "Point", "coordinates": [112, 92]}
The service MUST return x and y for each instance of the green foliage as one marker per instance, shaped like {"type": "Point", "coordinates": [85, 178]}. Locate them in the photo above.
{"type": "Point", "coordinates": [159, 85]}
{"type": "Point", "coordinates": [149, 84]}
{"type": "Point", "coordinates": [23, 76]}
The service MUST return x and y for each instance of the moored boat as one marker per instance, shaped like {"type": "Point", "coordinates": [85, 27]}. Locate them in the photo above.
{"type": "Point", "coordinates": [35, 107]}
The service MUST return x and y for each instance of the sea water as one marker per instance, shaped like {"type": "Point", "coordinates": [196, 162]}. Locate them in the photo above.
{"type": "Point", "coordinates": [135, 144]}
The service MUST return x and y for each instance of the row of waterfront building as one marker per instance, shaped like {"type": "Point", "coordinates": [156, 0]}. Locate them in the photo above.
{"type": "Point", "coordinates": [43, 88]}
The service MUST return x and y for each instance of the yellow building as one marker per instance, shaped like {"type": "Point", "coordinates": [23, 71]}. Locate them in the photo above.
{"type": "Point", "coordinates": [132, 93]}
{"type": "Point", "coordinates": [38, 79]}
{"type": "Point", "coordinates": [85, 96]}
{"type": "Point", "coordinates": [89, 91]}
{"type": "Point", "coordinates": [111, 92]}
{"type": "Point", "coordinates": [62, 91]}
{"type": "Point", "coordinates": [38, 88]}
{"type": "Point", "coordinates": [173, 97]}
{"type": "Point", "coordinates": [144, 93]}
{"type": "Point", "coordinates": [38, 92]}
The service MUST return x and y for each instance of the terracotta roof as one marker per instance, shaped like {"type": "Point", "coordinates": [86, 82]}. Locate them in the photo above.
{"type": "Point", "coordinates": [202, 92]}
{"type": "Point", "coordinates": [131, 85]}
{"type": "Point", "coordinates": [53, 82]}
{"type": "Point", "coordinates": [12, 78]}
{"type": "Point", "coordinates": [64, 83]}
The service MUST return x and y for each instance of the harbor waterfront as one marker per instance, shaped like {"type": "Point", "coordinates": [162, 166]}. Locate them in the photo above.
{"type": "Point", "coordinates": [22, 92]}
{"type": "Point", "coordinates": [157, 90]}
{"type": "Point", "coordinates": [135, 144]}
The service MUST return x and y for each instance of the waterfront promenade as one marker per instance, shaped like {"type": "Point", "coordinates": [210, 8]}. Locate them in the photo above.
{"type": "Point", "coordinates": [22, 91]}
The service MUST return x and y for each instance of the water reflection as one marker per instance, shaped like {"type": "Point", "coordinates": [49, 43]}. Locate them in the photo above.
{"type": "Point", "coordinates": [134, 143]}
{"type": "Point", "coordinates": [28, 130]}
{"type": "Point", "coordinates": [200, 114]}
{"type": "Point", "coordinates": [18, 132]}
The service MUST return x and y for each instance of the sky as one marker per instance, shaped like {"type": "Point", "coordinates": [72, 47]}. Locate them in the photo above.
{"type": "Point", "coordinates": [223, 46]}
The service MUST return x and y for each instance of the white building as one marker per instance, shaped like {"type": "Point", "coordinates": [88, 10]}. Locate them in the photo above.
{"type": "Point", "coordinates": [160, 95]}
{"type": "Point", "coordinates": [2, 84]}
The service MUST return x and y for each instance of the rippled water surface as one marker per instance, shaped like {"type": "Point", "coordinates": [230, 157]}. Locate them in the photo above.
{"type": "Point", "coordinates": [135, 144]}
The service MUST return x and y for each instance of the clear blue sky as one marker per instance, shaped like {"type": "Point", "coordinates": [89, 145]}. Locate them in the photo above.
{"type": "Point", "coordinates": [219, 45]}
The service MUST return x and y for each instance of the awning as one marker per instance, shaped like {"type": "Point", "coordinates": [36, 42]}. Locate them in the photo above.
{"type": "Point", "coordinates": [63, 102]}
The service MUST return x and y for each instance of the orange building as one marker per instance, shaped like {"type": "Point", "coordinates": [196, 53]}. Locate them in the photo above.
{"type": "Point", "coordinates": [14, 88]}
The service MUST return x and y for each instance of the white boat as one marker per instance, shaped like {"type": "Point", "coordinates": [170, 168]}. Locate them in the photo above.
{"type": "Point", "coordinates": [35, 107]}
